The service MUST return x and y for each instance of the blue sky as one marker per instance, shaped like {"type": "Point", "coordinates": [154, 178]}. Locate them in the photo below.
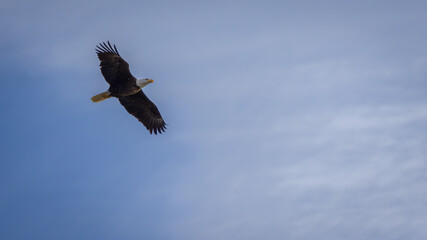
{"type": "Point", "coordinates": [286, 120]}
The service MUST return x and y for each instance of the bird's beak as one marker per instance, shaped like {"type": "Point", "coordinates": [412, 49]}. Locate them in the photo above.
{"type": "Point", "coordinates": [150, 80]}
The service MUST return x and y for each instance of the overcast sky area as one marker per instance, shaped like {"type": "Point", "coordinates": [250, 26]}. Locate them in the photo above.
{"type": "Point", "coordinates": [286, 120]}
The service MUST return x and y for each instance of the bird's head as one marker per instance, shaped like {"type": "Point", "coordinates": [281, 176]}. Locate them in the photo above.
{"type": "Point", "coordinates": [143, 82]}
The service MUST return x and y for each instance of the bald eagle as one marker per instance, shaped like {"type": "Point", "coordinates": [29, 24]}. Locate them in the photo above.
{"type": "Point", "coordinates": [127, 88]}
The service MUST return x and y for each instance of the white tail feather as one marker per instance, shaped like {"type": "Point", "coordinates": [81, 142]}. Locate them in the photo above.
{"type": "Point", "coordinates": [101, 97]}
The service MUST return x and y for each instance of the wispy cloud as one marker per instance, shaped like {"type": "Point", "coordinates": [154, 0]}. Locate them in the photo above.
{"type": "Point", "coordinates": [286, 120]}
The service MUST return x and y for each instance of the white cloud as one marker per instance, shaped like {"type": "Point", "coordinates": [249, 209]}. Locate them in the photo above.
{"type": "Point", "coordinates": [298, 123]}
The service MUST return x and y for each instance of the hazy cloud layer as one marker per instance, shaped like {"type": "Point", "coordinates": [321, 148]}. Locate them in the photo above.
{"type": "Point", "coordinates": [286, 121]}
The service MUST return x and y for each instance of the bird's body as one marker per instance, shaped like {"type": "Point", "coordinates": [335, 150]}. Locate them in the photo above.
{"type": "Point", "coordinates": [127, 89]}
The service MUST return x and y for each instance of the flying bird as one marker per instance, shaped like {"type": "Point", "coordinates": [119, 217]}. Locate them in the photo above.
{"type": "Point", "coordinates": [127, 88]}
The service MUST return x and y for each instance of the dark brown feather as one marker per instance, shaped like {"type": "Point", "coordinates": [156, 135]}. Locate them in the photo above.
{"type": "Point", "coordinates": [114, 68]}
{"type": "Point", "coordinates": [145, 111]}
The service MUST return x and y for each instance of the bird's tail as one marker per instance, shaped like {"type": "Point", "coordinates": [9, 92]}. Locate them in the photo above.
{"type": "Point", "coordinates": [101, 97]}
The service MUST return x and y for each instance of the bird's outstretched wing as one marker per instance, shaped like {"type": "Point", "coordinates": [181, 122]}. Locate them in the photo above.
{"type": "Point", "coordinates": [145, 111]}
{"type": "Point", "coordinates": [113, 67]}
